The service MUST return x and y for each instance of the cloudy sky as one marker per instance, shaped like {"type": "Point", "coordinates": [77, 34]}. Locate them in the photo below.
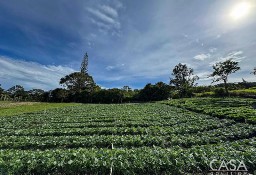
{"type": "Point", "coordinates": [128, 42]}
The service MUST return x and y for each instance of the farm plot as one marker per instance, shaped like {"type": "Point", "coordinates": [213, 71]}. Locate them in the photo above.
{"type": "Point", "coordinates": [123, 139]}
{"type": "Point", "coordinates": [239, 109]}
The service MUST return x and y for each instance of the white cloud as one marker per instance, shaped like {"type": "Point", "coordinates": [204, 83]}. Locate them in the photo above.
{"type": "Point", "coordinates": [31, 74]}
{"type": "Point", "coordinates": [202, 57]}
{"type": "Point", "coordinates": [109, 10]}
{"type": "Point", "coordinates": [204, 76]}
{"type": "Point", "coordinates": [105, 17]}
{"type": "Point", "coordinates": [116, 67]}
{"type": "Point", "coordinates": [236, 53]}
{"type": "Point", "coordinates": [101, 24]}
{"type": "Point", "coordinates": [235, 56]}
{"type": "Point", "coordinates": [101, 16]}
{"type": "Point", "coordinates": [150, 46]}
{"type": "Point", "coordinates": [185, 35]}
{"type": "Point", "coordinates": [109, 68]}
{"type": "Point", "coordinates": [118, 4]}
{"type": "Point", "coordinates": [212, 49]}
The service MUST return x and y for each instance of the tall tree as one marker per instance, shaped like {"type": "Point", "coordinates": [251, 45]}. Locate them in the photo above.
{"type": "Point", "coordinates": [84, 64]}
{"type": "Point", "coordinates": [77, 81]}
{"type": "Point", "coordinates": [222, 70]}
{"type": "Point", "coordinates": [184, 79]}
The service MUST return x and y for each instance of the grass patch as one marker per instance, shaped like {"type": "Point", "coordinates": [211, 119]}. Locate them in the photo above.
{"type": "Point", "coordinates": [251, 91]}
{"type": "Point", "coordinates": [16, 108]}
{"type": "Point", "coordinates": [232, 93]}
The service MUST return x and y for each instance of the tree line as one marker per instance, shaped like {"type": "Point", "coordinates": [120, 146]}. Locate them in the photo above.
{"type": "Point", "coordinates": [80, 87]}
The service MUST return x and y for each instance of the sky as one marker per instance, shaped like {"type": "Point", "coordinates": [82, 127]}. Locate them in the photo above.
{"type": "Point", "coordinates": [128, 42]}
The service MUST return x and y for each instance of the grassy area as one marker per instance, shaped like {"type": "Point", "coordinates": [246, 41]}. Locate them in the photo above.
{"type": "Point", "coordinates": [233, 93]}
{"type": "Point", "coordinates": [240, 92]}
{"type": "Point", "coordinates": [240, 109]}
{"type": "Point", "coordinates": [16, 108]}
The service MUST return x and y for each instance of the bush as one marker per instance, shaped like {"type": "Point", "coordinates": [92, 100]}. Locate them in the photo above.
{"type": "Point", "coordinates": [219, 92]}
{"type": "Point", "coordinates": [244, 93]}
{"type": "Point", "coordinates": [175, 95]}
{"type": "Point", "coordinates": [205, 94]}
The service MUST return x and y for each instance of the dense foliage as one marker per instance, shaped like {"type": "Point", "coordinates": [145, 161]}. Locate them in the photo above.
{"type": "Point", "coordinates": [76, 82]}
{"type": "Point", "coordinates": [125, 139]}
{"type": "Point", "coordinates": [183, 79]}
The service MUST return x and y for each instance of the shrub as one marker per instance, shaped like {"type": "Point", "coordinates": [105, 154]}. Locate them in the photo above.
{"type": "Point", "coordinates": [219, 92]}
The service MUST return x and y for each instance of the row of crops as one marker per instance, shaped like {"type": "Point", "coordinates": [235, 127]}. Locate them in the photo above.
{"type": "Point", "coordinates": [146, 138]}
{"type": "Point", "coordinates": [142, 160]}
{"type": "Point", "coordinates": [239, 109]}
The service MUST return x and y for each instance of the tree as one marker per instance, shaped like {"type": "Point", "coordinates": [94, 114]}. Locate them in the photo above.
{"type": "Point", "coordinates": [115, 95]}
{"type": "Point", "coordinates": [46, 96]}
{"type": "Point", "coordinates": [17, 92]}
{"type": "Point", "coordinates": [76, 82]}
{"type": "Point", "coordinates": [146, 92]}
{"type": "Point", "coordinates": [163, 91]}
{"type": "Point", "coordinates": [159, 91]}
{"type": "Point", "coordinates": [222, 70]}
{"type": "Point", "coordinates": [1, 89]}
{"type": "Point", "coordinates": [84, 65]}
{"type": "Point", "coordinates": [254, 71]}
{"type": "Point", "coordinates": [108, 96]}
{"type": "Point", "coordinates": [3, 94]}
{"type": "Point", "coordinates": [15, 89]}
{"type": "Point", "coordinates": [36, 94]}
{"type": "Point", "coordinates": [59, 95]}
{"type": "Point", "coordinates": [128, 93]}
{"type": "Point", "coordinates": [183, 80]}
{"type": "Point", "coordinates": [126, 88]}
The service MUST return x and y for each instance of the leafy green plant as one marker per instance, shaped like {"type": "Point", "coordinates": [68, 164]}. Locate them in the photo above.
{"type": "Point", "coordinates": [149, 138]}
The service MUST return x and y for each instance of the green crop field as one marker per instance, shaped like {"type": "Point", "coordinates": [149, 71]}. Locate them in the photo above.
{"type": "Point", "coordinates": [149, 138]}
{"type": "Point", "coordinates": [239, 109]}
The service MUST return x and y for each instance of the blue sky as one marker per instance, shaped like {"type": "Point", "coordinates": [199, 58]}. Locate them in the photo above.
{"type": "Point", "coordinates": [128, 42]}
